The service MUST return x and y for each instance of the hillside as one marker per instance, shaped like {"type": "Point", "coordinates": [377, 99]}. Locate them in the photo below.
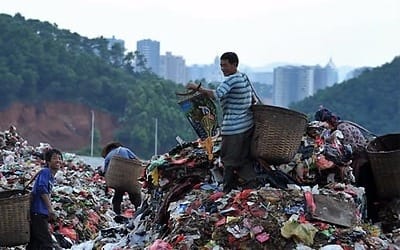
{"type": "Point", "coordinates": [41, 64]}
{"type": "Point", "coordinates": [66, 126]}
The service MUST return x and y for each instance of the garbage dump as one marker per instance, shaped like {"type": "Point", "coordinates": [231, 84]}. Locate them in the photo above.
{"type": "Point", "coordinates": [309, 203]}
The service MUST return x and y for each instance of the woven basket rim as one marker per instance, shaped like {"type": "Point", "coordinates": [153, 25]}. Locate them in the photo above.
{"type": "Point", "coordinates": [279, 109]}
{"type": "Point", "coordinates": [374, 152]}
{"type": "Point", "coordinates": [127, 159]}
{"type": "Point", "coordinates": [13, 192]}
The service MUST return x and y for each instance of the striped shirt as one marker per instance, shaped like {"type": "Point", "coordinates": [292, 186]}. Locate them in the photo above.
{"type": "Point", "coordinates": [235, 96]}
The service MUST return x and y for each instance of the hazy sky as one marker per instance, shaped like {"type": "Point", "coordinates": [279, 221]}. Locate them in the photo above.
{"type": "Point", "coordinates": [351, 32]}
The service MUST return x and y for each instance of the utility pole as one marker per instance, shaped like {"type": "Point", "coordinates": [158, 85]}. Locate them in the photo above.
{"type": "Point", "coordinates": [155, 136]}
{"type": "Point", "coordinates": [92, 136]}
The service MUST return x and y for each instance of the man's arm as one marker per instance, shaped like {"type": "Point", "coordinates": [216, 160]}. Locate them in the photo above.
{"type": "Point", "coordinates": [207, 92]}
{"type": "Point", "coordinates": [46, 199]}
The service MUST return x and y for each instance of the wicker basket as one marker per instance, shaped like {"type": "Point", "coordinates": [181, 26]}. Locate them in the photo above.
{"type": "Point", "coordinates": [123, 174]}
{"type": "Point", "coordinates": [14, 221]}
{"type": "Point", "coordinates": [384, 156]}
{"type": "Point", "coordinates": [277, 133]}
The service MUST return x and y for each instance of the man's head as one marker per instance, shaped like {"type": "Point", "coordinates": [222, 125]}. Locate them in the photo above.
{"type": "Point", "coordinates": [110, 146]}
{"type": "Point", "coordinates": [229, 62]}
{"type": "Point", "coordinates": [53, 158]}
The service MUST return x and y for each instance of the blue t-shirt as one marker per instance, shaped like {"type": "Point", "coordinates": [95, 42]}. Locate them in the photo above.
{"type": "Point", "coordinates": [43, 185]}
{"type": "Point", "coordinates": [120, 151]}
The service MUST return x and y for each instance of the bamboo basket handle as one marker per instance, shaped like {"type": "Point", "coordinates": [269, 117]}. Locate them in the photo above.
{"type": "Point", "coordinates": [191, 92]}
{"type": "Point", "coordinates": [254, 93]}
{"type": "Point", "coordinates": [369, 133]}
{"type": "Point", "coordinates": [30, 181]}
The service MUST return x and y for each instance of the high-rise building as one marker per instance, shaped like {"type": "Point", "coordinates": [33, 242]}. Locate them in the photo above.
{"type": "Point", "coordinates": [332, 75]}
{"type": "Point", "coordinates": [291, 84]}
{"type": "Point", "coordinates": [173, 68]}
{"type": "Point", "coordinates": [325, 76]}
{"type": "Point", "coordinates": [150, 50]}
{"type": "Point", "coordinates": [294, 83]}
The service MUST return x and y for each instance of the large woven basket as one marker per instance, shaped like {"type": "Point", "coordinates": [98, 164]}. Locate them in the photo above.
{"type": "Point", "coordinates": [277, 133]}
{"type": "Point", "coordinates": [123, 174]}
{"type": "Point", "coordinates": [384, 156]}
{"type": "Point", "coordinates": [14, 221]}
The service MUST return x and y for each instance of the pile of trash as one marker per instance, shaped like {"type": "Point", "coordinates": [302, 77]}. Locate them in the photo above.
{"type": "Point", "coordinates": [79, 198]}
{"type": "Point", "coordinates": [292, 206]}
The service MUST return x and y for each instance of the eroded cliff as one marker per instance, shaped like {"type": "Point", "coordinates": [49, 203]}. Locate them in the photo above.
{"type": "Point", "coordinates": [66, 126]}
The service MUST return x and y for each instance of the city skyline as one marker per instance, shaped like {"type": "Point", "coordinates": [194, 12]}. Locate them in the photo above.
{"type": "Point", "coordinates": [353, 33]}
{"type": "Point", "coordinates": [174, 67]}
{"type": "Point", "coordinates": [289, 83]}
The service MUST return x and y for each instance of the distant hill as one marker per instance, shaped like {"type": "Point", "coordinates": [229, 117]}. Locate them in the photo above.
{"type": "Point", "coordinates": [371, 99]}
{"type": "Point", "coordinates": [41, 64]}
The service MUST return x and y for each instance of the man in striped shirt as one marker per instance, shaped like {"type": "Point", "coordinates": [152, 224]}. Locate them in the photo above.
{"type": "Point", "coordinates": [235, 97]}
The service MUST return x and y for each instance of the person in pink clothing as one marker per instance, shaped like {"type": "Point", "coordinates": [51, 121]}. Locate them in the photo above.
{"type": "Point", "coordinates": [354, 136]}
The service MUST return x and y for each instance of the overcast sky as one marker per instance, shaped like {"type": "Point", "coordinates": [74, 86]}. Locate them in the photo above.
{"type": "Point", "coordinates": [351, 32]}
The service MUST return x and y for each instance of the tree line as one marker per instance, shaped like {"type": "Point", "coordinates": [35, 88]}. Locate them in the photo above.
{"type": "Point", "coordinates": [39, 62]}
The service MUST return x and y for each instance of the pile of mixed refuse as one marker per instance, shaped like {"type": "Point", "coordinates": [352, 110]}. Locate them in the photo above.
{"type": "Point", "coordinates": [292, 206]}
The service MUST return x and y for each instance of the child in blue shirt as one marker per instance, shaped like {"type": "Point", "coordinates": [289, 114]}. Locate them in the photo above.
{"type": "Point", "coordinates": [41, 210]}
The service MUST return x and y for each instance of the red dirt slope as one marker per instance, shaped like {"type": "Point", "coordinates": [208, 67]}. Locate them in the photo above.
{"type": "Point", "coordinates": [66, 126]}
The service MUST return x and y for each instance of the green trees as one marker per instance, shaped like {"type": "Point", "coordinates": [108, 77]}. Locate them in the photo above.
{"type": "Point", "coordinates": [39, 62]}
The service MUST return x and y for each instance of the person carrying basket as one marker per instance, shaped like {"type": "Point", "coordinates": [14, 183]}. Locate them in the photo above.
{"type": "Point", "coordinates": [236, 97]}
{"type": "Point", "coordinates": [41, 209]}
{"type": "Point", "coordinates": [117, 149]}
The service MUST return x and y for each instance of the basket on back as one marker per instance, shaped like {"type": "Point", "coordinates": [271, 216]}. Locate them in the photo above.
{"type": "Point", "coordinates": [14, 222]}
{"type": "Point", "coordinates": [277, 133]}
{"type": "Point", "coordinates": [384, 156]}
{"type": "Point", "coordinates": [123, 174]}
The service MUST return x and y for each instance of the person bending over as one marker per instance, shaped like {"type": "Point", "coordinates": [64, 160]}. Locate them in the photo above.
{"type": "Point", "coordinates": [110, 150]}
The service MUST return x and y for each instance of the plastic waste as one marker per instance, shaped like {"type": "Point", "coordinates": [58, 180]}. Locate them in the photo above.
{"type": "Point", "coordinates": [331, 247]}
